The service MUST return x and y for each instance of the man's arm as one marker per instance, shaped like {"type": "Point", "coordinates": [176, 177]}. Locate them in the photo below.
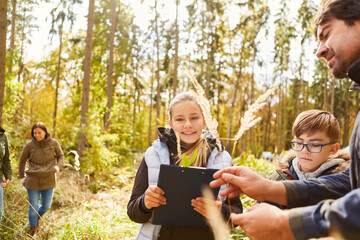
{"type": "Point", "coordinates": [328, 218]}
{"type": "Point", "coordinates": [306, 193]}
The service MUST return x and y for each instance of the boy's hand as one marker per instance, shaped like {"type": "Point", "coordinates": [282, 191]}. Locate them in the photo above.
{"type": "Point", "coordinates": [154, 197]}
{"type": "Point", "coordinates": [5, 183]}
{"type": "Point", "coordinates": [201, 205]}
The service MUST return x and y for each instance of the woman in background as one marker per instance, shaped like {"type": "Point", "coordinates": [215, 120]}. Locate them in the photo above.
{"type": "Point", "coordinates": [45, 157]}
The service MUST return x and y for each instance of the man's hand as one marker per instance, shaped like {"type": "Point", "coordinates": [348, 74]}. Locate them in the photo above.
{"type": "Point", "coordinates": [201, 205]}
{"type": "Point", "coordinates": [264, 221]}
{"type": "Point", "coordinates": [154, 197]}
{"type": "Point", "coordinates": [5, 183]}
{"type": "Point", "coordinates": [243, 180]}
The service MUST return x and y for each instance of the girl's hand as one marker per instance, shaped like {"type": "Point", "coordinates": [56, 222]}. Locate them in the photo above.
{"type": "Point", "coordinates": [5, 183]}
{"type": "Point", "coordinates": [154, 197]}
{"type": "Point", "coordinates": [22, 181]}
{"type": "Point", "coordinates": [201, 205]}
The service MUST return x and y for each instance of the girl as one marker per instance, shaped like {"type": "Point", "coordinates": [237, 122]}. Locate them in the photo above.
{"type": "Point", "coordinates": [185, 118]}
{"type": "Point", "coordinates": [45, 157]}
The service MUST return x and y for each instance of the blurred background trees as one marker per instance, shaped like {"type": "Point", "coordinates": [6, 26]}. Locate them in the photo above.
{"type": "Point", "coordinates": [235, 49]}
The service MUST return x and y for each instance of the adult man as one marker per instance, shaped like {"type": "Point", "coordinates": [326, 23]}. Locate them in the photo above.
{"type": "Point", "coordinates": [337, 28]}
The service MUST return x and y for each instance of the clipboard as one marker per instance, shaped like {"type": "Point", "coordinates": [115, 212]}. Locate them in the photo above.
{"type": "Point", "coordinates": [181, 185]}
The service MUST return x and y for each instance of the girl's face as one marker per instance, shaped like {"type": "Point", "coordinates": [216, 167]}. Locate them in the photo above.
{"type": "Point", "coordinates": [187, 120]}
{"type": "Point", "coordinates": [39, 134]}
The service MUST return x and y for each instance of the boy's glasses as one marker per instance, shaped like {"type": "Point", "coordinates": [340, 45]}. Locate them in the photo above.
{"type": "Point", "coordinates": [311, 147]}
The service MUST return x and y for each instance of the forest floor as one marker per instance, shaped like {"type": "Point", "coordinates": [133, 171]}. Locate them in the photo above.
{"type": "Point", "coordinates": [76, 212]}
{"type": "Point", "coordinates": [89, 209]}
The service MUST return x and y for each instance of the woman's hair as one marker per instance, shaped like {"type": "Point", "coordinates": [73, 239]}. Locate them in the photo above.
{"type": "Point", "coordinates": [39, 125]}
{"type": "Point", "coordinates": [317, 120]}
{"type": "Point", "coordinates": [346, 10]}
{"type": "Point", "coordinates": [202, 144]}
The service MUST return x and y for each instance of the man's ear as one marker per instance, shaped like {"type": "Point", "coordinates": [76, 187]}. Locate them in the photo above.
{"type": "Point", "coordinates": [204, 121]}
{"type": "Point", "coordinates": [170, 123]}
{"type": "Point", "coordinates": [334, 148]}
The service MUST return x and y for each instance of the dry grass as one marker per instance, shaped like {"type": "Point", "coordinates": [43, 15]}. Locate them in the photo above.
{"type": "Point", "coordinates": [247, 121]}
{"type": "Point", "coordinates": [250, 119]}
{"type": "Point", "coordinates": [211, 123]}
{"type": "Point", "coordinates": [215, 220]}
{"type": "Point", "coordinates": [76, 213]}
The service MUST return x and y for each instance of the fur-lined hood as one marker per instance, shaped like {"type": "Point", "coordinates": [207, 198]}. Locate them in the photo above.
{"type": "Point", "coordinates": [283, 162]}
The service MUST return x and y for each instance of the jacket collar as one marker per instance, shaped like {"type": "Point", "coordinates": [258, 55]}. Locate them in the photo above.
{"type": "Point", "coordinates": [167, 135]}
{"type": "Point", "coordinates": [354, 74]}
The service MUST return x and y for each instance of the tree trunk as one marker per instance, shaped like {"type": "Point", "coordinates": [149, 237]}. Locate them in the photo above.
{"type": "Point", "coordinates": [3, 31]}
{"type": "Point", "coordinates": [357, 102]}
{"type": "Point", "coordinates": [278, 122]}
{"type": "Point", "coordinates": [346, 116]}
{"type": "Point", "coordinates": [176, 49]}
{"type": "Point", "coordinates": [231, 110]}
{"type": "Point", "coordinates": [150, 108]}
{"type": "Point", "coordinates": [326, 79]}
{"type": "Point", "coordinates": [332, 95]}
{"type": "Point", "coordinates": [22, 41]}
{"type": "Point", "coordinates": [109, 90]}
{"type": "Point", "coordinates": [208, 61]}
{"type": "Point", "coordinates": [22, 100]}
{"type": "Point", "coordinates": [267, 127]}
{"type": "Point", "coordinates": [18, 119]}
{"type": "Point", "coordinates": [203, 41]}
{"type": "Point", "coordinates": [57, 81]}
{"type": "Point", "coordinates": [86, 81]}
{"type": "Point", "coordinates": [12, 37]}
{"type": "Point", "coordinates": [157, 68]}
{"type": "Point", "coordinates": [218, 96]}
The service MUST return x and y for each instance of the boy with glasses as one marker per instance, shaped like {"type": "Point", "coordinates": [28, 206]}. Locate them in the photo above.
{"type": "Point", "coordinates": [315, 148]}
{"type": "Point", "coordinates": [328, 205]}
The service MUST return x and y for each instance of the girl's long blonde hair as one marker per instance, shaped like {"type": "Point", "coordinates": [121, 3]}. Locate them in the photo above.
{"type": "Point", "coordinates": [201, 145]}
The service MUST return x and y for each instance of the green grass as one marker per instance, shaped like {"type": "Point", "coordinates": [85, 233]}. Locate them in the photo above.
{"type": "Point", "coordinates": [78, 213]}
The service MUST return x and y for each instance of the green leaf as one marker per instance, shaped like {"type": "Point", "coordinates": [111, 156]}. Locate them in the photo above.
{"type": "Point", "coordinates": [193, 156]}
{"type": "Point", "coordinates": [185, 161]}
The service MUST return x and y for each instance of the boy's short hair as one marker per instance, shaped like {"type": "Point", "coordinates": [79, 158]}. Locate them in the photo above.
{"type": "Point", "coordinates": [317, 120]}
